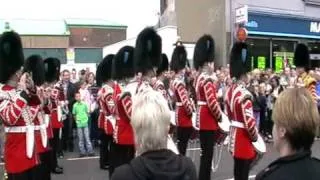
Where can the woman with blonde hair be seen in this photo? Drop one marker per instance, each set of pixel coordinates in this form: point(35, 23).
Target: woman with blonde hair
point(150, 121)
point(295, 119)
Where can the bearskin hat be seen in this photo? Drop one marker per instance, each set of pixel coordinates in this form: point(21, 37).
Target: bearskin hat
point(35, 66)
point(147, 54)
point(239, 60)
point(164, 65)
point(178, 59)
point(123, 63)
point(104, 69)
point(11, 55)
point(301, 56)
point(52, 69)
point(203, 51)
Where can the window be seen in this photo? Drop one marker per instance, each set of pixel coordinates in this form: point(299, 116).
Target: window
point(260, 53)
point(314, 48)
point(282, 54)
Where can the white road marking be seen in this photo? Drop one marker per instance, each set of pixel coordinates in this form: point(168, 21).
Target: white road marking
point(193, 149)
point(83, 158)
point(250, 177)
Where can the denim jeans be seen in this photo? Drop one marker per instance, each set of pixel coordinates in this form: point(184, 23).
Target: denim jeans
point(85, 145)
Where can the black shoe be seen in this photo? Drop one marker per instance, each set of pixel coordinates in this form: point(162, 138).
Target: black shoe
point(105, 167)
point(82, 155)
point(57, 171)
point(91, 154)
point(59, 167)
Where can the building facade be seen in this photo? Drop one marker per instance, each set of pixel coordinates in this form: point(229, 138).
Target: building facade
point(274, 27)
point(72, 40)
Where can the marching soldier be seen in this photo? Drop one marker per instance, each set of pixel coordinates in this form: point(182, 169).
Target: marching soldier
point(52, 73)
point(122, 72)
point(158, 84)
point(302, 61)
point(209, 112)
point(243, 130)
point(147, 56)
point(16, 111)
point(184, 106)
point(35, 67)
point(105, 99)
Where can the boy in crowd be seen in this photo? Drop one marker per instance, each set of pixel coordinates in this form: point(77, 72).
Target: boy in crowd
point(80, 111)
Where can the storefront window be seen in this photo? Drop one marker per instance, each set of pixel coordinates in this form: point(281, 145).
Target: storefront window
point(282, 54)
point(260, 53)
point(314, 53)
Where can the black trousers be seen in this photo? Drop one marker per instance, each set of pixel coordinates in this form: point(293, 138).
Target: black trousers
point(67, 134)
point(55, 145)
point(44, 169)
point(269, 125)
point(94, 131)
point(241, 169)
point(122, 154)
point(112, 158)
point(30, 174)
point(207, 143)
point(183, 136)
point(104, 148)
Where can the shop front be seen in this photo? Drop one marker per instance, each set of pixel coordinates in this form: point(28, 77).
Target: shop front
point(273, 38)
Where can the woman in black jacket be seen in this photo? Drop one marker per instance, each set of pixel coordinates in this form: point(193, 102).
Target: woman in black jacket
point(150, 120)
point(295, 119)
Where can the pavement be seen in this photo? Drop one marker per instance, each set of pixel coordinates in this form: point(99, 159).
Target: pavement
point(88, 169)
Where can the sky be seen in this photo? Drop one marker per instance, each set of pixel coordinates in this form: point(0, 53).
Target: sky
point(136, 14)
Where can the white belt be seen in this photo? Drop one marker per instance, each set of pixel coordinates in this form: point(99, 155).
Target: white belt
point(237, 124)
point(16, 129)
point(101, 111)
point(38, 127)
point(179, 104)
point(201, 103)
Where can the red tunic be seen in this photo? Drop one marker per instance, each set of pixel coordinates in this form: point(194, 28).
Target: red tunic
point(159, 86)
point(105, 98)
point(123, 133)
point(184, 106)
point(243, 125)
point(15, 150)
point(57, 96)
point(208, 107)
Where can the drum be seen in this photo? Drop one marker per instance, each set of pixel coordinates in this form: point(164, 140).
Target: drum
point(224, 129)
point(171, 145)
point(173, 118)
point(194, 121)
point(260, 147)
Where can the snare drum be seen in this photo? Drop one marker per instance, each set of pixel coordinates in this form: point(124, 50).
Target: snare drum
point(224, 129)
point(260, 147)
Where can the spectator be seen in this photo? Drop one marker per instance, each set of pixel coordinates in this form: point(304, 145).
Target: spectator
point(90, 79)
point(256, 104)
point(82, 77)
point(150, 123)
point(80, 111)
point(69, 93)
point(296, 118)
point(74, 76)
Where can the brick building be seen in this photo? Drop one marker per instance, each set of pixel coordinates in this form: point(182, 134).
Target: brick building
point(85, 38)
